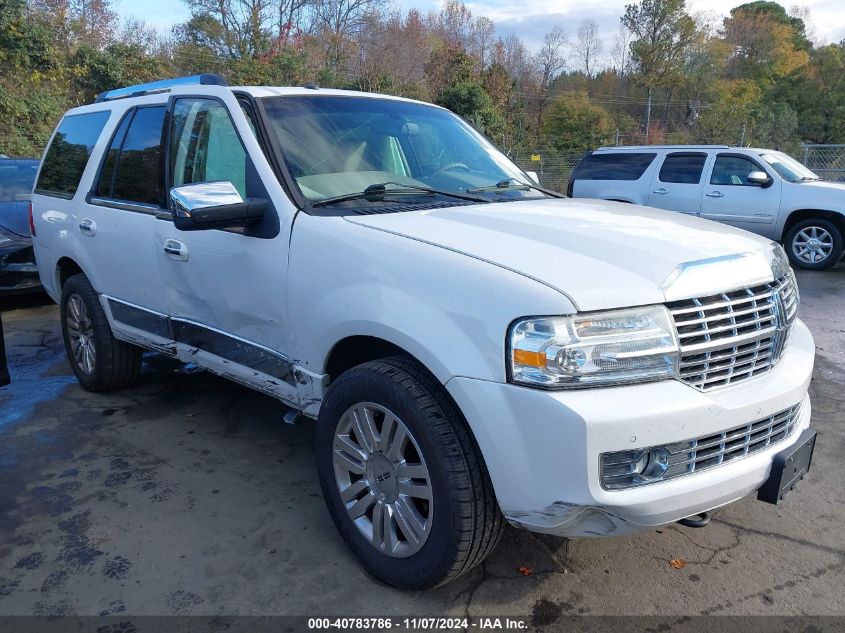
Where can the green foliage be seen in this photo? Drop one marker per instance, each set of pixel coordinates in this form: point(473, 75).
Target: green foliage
point(469, 100)
point(573, 124)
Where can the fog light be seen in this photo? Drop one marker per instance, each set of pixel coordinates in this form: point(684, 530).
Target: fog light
point(626, 469)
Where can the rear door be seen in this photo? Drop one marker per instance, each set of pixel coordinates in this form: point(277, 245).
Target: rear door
point(677, 183)
point(117, 220)
point(730, 198)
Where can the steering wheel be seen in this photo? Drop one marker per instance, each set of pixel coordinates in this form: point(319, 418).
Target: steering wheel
point(452, 166)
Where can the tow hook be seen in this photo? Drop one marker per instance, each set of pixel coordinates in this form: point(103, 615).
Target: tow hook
point(699, 520)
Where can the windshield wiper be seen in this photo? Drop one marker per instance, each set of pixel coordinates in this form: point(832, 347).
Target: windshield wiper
point(808, 179)
point(376, 192)
point(513, 184)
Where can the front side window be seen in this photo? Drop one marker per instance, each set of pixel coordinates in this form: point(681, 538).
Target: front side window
point(733, 170)
point(204, 145)
point(336, 146)
point(682, 168)
point(613, 166)
point(132, 166)
point(69, 152)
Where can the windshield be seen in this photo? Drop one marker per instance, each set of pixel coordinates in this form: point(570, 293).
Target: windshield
point(788, 168)
point(339, 145)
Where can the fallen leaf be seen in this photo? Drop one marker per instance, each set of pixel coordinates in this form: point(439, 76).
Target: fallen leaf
point(525, 571)
point(677, 563)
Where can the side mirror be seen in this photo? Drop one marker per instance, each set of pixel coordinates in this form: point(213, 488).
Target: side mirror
point(213, 205)
point(533, 176)
point(760, 178)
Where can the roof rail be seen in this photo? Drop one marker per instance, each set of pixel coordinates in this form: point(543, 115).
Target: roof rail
point(656, 146)
point(160, 86)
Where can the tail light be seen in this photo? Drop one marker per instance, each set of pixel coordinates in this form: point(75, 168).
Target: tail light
point(31, 221)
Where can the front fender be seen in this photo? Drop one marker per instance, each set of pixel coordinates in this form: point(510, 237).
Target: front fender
point(450, 311)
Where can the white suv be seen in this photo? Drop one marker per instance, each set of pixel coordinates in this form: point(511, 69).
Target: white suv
point(473, 348)
point(760, 190)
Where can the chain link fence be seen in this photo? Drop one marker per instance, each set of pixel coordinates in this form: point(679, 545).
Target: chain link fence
point(828, 161)
point(553, 170)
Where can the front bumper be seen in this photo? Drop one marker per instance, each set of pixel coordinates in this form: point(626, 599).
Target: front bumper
point(542, 447)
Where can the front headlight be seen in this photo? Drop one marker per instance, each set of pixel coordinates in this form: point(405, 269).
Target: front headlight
point(600, 348)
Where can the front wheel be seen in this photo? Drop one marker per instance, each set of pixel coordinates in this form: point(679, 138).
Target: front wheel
point(814, 244)
point(402, 476)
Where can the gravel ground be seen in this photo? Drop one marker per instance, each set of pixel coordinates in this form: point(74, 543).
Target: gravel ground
point(187, 494)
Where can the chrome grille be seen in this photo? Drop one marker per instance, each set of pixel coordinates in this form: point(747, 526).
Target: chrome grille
point(620, 470)
point(735, 335)
point(712, 450)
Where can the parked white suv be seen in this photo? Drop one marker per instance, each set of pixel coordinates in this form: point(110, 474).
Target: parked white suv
point(761, 190)
point(473, 349)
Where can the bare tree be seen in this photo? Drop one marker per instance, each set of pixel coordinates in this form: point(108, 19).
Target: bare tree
point(588, 46)
point(550, 60)
point(621, 53)
point(482, 39)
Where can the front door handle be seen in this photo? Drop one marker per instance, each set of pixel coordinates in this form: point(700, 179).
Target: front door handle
point(176, 250)
point(662, 191)
point(715, 194)
point(88, 227)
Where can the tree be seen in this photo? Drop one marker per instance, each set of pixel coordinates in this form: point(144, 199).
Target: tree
point(588, 46)
point(469, 100)
point(765, 42)
point(573, 124)
point(663, 32)
point(550, 59)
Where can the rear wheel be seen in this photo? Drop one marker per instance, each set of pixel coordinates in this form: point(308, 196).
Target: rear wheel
point(402, 476)
point(100, 361)
point(814, 244)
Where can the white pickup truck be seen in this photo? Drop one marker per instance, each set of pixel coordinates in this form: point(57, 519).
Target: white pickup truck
point(474, 349)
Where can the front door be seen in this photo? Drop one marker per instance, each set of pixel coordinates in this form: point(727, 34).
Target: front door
point(225, 287)
point(731, 199)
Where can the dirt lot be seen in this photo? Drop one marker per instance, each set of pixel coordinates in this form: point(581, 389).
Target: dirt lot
point(188, 495)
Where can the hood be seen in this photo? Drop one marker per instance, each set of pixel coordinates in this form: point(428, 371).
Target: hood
point(838, 187)
point(14, 217)
point(600, 254)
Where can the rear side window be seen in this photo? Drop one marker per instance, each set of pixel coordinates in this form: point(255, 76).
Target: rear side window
point(613, 166)
point(132, 167)
point(683, 168)
point(69, 153)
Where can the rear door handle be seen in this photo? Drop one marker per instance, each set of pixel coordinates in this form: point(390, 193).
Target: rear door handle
point(715, 194)
point(87, 226)
point(662, 191)
point(176, 250)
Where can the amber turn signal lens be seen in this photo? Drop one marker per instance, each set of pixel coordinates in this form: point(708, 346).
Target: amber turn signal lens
point(530, 359)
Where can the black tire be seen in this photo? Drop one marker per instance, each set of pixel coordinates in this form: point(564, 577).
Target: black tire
point(835, 254)
point(117, 364)
point(466, 523)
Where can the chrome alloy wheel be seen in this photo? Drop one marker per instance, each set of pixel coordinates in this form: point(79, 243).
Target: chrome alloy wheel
point(80, 330)
point(383, 480)
point(812, 244)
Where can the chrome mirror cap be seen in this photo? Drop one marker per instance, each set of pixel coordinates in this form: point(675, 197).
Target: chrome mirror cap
point(201, 195)
point(759, 178)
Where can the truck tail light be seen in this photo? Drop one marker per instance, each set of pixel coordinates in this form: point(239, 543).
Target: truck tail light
point(31, 221)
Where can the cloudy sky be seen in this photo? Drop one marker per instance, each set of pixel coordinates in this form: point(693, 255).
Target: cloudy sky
point(531, 20)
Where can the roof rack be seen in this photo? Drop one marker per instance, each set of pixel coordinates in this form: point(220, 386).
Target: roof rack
point(640, 147)
point(160, 86)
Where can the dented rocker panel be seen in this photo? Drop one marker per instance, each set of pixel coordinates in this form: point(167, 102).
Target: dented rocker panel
point(222, 353)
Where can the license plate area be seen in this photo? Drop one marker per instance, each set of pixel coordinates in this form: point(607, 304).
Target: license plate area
point(788, 468)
